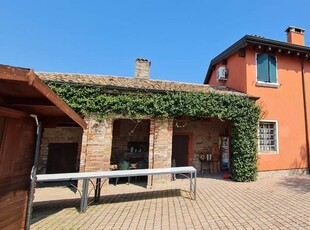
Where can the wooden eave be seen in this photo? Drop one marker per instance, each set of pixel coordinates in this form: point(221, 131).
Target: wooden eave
point(27, 78)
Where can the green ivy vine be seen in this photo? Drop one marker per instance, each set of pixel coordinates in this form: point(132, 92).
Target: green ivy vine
point(240, 110)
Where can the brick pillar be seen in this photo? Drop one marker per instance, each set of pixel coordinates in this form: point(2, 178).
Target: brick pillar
point(160, 150)
point(96, 145)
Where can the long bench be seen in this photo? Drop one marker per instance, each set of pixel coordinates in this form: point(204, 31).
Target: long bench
point(86, 176)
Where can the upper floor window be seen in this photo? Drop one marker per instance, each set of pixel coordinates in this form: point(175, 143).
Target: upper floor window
point(266, 68)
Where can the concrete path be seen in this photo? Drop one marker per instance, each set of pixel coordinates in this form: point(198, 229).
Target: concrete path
point(269, 203)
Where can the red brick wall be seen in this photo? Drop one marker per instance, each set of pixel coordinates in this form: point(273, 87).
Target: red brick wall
point(126, 131)
point(96, 145)
point(160, 150)
point(205, 133)
point(58, 135)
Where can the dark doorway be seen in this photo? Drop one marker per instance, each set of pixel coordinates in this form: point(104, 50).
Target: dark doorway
point(62, 158)
point(180, 150)
point(130, 147)
point(130, 141)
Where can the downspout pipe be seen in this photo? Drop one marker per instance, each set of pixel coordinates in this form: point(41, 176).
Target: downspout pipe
point(305, 111)
point(33, 174)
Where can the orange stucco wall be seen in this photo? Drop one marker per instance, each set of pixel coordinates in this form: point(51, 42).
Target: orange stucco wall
point(236, 71)
point(283, 104)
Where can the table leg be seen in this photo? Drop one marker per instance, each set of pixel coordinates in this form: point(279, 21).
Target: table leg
point(191, 182)
point(97, 190)
point(195, 181)
point(84, 198)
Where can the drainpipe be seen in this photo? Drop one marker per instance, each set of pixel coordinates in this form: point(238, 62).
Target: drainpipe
point(305, 111)
point(33, 174)
point(153, 151)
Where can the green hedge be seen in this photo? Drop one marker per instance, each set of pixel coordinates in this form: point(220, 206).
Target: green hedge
point(240, 110)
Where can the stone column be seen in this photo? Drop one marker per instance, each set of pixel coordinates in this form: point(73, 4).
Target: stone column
point(160, 150)
point(96, 145)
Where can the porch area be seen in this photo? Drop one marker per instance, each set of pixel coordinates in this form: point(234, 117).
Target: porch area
point(158, 143)
point(121, 143)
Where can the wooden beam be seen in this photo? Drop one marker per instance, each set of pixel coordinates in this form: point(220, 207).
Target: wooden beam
point(13, 73)
point(37, 83)
point(13, 113)
point(28, 75)
point(64, 119)
point(257, 47)
point(28, 101)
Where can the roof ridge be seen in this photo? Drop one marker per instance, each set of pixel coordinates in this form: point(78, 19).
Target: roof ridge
point(79, 74)
point(132, 83)
point(126, 77)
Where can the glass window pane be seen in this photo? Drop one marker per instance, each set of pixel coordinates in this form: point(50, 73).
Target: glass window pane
point(262, 67)
point(267, 138)
point(272, 69)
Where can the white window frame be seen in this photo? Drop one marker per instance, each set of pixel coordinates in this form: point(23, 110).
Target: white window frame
point(276, 141)
point(267, 84)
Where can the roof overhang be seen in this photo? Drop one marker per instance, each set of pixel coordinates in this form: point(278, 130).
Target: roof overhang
point(262, 44)
point(23, 93)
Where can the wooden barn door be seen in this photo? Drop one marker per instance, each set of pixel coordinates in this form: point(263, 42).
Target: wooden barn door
point(180, 144)
point(17, 144)
point(62, 158)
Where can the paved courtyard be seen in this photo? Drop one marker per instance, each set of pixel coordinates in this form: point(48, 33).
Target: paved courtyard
point(269, 203)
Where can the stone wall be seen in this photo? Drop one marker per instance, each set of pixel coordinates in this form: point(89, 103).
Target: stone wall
point(279, 173)
point(205, 133)
point(130, 140)
point(96, 145)
point(160, 150)
point(95, 142)
point(58, 135)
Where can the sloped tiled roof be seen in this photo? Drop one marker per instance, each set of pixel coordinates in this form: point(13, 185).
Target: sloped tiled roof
point(131, 83)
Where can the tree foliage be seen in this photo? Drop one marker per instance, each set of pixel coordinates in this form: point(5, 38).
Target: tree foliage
point(240, 110)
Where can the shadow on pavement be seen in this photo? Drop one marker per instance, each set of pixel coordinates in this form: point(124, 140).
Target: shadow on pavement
point(298, 183)
point(118, 198)
point(43, 209)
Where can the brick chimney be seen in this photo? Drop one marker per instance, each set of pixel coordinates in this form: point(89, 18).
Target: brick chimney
point(295, 35)
point(142, 68)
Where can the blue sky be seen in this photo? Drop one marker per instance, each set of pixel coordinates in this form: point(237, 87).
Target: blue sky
point(105, 37)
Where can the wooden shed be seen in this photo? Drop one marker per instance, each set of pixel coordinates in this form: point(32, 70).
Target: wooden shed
point(26, 104)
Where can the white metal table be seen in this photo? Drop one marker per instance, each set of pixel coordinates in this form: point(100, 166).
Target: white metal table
point(86, 176)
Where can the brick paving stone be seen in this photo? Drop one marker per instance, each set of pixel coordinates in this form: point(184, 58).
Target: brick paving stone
point(269, 203)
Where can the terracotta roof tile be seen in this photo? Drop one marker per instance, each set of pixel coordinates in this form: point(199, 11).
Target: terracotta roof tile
point(133, 83)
